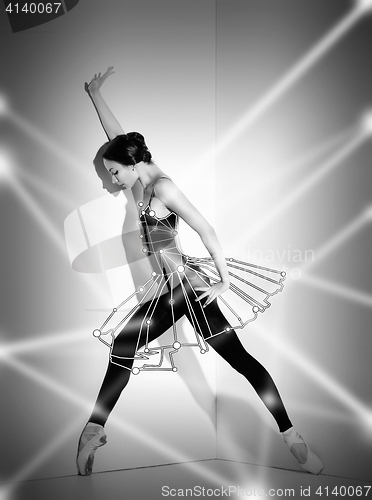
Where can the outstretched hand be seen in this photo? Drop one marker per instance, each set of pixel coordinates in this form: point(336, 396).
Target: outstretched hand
point(97, 80)
point(211, 291)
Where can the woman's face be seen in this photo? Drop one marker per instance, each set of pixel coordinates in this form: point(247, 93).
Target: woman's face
point(122, 175)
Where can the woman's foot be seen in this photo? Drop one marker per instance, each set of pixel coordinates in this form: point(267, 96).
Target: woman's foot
point(92, 437)
point(305, 457)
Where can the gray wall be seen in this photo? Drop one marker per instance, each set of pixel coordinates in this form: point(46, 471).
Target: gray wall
point(186, 73)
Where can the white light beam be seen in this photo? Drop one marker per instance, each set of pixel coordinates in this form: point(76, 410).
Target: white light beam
point(364, 5)
point(6, 165)
point(305, 186)
point(56, 237)
point(43, 342)
point(51, 145)
point(338, 289)
point(297, 163)
point(47, 189)
point(298, 70)
point(126, 428)
point(4, 105)
point(30, 204)
point(338, 239)
point(295, 357)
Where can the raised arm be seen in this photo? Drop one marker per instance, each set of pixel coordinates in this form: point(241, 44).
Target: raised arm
point(110, 124)
point(175, 200)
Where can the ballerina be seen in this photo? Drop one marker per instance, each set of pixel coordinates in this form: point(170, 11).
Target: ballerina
point(180, 286)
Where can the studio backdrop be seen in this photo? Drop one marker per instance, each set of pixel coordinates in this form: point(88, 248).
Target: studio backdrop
point(259, 111)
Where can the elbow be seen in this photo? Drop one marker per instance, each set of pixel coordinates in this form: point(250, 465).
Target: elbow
point(208, 233)
point(211, 231)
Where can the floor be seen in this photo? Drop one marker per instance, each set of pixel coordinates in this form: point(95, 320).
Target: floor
point(201, 479)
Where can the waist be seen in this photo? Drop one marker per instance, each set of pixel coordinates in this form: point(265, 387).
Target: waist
point(167, 261)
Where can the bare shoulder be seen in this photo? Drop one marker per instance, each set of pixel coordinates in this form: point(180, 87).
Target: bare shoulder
point(171, 196)
point(165, 188)
point(163, 195)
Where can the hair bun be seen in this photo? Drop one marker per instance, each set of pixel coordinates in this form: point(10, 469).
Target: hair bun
point(146, 157)
point(136, 136)
point(128, 149)
point(138, 140)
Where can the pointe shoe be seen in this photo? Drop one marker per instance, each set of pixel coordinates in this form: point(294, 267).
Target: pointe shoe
point(92, 437)
point(306, 458)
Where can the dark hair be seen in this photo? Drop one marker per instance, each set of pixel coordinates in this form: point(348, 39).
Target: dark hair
point(128, 149)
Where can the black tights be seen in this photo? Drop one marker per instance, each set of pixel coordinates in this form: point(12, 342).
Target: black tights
point(209, 320)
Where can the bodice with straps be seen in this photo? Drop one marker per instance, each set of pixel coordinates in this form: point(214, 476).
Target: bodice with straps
point(160, 242)
point(159, 237)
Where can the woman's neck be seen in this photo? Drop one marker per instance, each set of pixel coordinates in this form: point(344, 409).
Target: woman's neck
point(148, 173)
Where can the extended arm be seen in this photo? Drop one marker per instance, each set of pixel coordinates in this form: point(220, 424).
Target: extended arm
point(110, 124)
point(175, 200)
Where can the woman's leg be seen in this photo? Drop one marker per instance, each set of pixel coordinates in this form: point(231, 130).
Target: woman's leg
point(129, 340)
point(230, 348)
